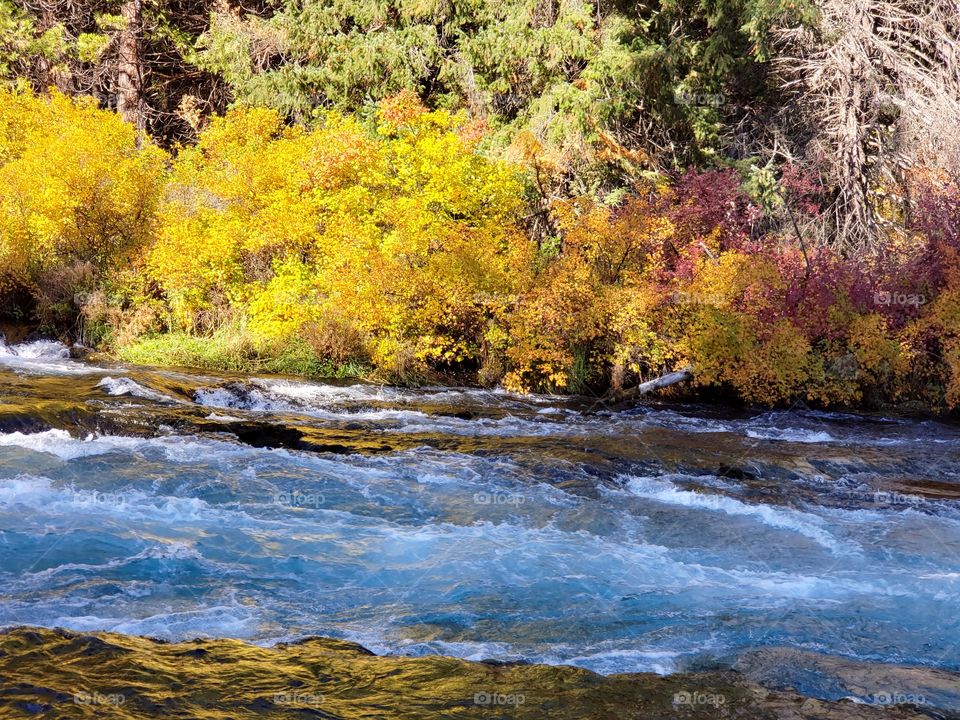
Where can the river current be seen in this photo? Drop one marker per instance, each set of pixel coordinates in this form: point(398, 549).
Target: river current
point(473, 523)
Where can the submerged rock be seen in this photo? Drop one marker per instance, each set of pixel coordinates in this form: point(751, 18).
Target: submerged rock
point(78, 351)
point(60, 674)
point(837, 677)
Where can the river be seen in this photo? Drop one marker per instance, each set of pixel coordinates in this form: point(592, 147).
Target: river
point(473, 523)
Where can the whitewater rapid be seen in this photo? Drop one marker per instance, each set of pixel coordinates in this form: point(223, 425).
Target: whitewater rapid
point(474, 523)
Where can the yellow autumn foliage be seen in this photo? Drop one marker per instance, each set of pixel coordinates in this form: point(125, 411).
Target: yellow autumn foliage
point(591, 307)
point(78, 189)
point(403, 233)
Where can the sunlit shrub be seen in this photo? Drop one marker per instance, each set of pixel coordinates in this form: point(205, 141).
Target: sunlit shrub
point(78, 196)
point(589, 304)
point(404, 234)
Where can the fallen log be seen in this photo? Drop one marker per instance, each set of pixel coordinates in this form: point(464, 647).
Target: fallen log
point(659, 383)
point(645, 388)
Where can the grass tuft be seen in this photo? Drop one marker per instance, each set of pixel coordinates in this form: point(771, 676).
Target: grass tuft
point(232, 349)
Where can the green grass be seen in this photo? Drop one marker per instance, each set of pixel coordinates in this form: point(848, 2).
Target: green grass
point(232, 350)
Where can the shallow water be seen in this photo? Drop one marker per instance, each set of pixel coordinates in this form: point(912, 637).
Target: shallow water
point(472, 523)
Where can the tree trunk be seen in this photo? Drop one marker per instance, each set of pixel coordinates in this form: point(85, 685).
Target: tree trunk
point(130, 102)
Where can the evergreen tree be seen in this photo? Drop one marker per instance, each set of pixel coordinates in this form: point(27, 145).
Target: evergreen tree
point(132, 55)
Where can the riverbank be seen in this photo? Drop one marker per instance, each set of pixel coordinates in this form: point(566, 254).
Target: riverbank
point(412, 252)
point(61, 674)
point(232, 357)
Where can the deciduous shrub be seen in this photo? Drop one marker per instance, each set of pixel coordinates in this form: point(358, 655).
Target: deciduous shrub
point(402, 233)
point(79, 196)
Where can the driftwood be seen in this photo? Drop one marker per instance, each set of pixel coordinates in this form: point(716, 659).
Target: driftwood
point(624, 396)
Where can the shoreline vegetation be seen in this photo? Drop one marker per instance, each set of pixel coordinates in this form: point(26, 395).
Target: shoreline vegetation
point(571, 199)
point(395, 249)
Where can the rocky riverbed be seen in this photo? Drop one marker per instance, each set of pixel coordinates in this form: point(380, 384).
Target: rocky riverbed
point(61, 674)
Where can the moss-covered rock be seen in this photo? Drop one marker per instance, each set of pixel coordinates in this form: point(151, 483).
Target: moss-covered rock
point(59, 674)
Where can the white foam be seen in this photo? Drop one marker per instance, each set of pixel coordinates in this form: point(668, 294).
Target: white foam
point(165, 551)
point(175, 448)
point(508, 426)
point(41, 350)
point(493, 396)
point(951, 576)
point(223, 418)
point(56, 442)
point(287, 396)
point(805, 524)
point(45, 357)
point(403, 420)
point(238, 621)
point(361, 392)
point(327, 394)
point(677, 421)
point(797, 435)
point(49, 499)
point(126, 386)
point(26, 490)
point(42, 494)
point(661, 662)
